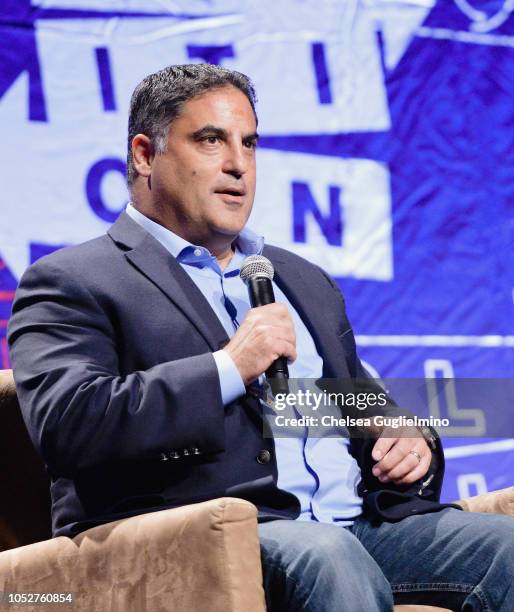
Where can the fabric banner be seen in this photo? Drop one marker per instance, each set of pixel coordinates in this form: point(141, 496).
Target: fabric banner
point(386, 157)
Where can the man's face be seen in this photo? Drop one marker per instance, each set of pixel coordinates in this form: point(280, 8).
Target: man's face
point(204, 185)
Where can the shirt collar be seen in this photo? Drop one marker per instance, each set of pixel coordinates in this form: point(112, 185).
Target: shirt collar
point(247, 243)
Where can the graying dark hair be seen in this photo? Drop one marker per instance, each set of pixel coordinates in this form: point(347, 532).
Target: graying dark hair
point(159, 98)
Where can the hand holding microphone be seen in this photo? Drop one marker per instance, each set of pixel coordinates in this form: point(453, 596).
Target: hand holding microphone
point(266, 339)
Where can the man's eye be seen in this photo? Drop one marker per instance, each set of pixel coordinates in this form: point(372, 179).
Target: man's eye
point(250, 144)
point(211, 139)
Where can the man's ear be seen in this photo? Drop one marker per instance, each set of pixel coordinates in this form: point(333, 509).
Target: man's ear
point(142, 154)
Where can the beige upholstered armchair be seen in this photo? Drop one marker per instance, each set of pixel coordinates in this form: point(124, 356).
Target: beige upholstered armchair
point(200, 557)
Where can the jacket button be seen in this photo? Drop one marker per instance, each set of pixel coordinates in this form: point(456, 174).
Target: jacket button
point(263, 456)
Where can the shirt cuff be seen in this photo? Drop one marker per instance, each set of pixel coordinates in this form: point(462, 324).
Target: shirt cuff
point(231, 383)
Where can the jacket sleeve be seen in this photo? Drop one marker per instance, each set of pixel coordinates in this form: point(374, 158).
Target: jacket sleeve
point(429, 486)
point(79, 410)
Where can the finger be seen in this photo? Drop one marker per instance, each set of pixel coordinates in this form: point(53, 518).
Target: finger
point(280, 316)
point(270, 332)
point(281, 309)
point(418, 472)
point(279, 334)
point(409, 463)
point(381, 447)
point(283, 348)
point(396, 454)
point(258, 321)
point(276, 309)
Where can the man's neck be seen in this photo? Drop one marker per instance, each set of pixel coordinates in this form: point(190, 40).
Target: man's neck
point(224, 258)
point(223, 252)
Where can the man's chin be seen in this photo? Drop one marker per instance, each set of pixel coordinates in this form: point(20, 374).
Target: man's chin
point(231, 226)
point(231, 232)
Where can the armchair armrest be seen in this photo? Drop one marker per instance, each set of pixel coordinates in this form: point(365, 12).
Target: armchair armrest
point(201, 556)
point(497, 502)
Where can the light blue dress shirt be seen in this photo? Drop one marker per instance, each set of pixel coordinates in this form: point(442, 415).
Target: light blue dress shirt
point(320, 471)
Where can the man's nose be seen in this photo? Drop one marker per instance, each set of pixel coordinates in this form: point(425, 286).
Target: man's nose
point(236, 161)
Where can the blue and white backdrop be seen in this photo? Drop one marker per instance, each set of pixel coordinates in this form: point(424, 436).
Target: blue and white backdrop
point(387, 157)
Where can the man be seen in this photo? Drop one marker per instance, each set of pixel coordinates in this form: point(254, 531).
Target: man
point(136, 357)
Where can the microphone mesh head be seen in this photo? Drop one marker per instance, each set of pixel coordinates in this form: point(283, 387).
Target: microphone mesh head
point(256, 266)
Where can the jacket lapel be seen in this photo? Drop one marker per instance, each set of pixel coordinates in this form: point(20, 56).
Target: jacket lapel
point(307, 301)
point(148, 256)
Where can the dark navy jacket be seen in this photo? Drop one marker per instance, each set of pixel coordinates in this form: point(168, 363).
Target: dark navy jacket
point(111, 344)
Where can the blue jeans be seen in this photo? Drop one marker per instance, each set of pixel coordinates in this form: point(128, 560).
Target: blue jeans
point(454, 559)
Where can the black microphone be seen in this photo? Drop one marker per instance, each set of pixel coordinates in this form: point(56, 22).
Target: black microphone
point(257, 273)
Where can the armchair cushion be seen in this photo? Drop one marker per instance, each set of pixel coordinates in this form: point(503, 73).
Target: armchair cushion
point(202, 556)
point(497, 502)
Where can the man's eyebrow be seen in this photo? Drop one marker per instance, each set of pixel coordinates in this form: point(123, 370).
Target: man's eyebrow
point(209, 130)
point(212, 130)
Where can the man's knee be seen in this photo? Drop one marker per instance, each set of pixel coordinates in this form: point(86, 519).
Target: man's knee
point(307, 559)
point(496, 533)
point(309, 544)
point(493, 534)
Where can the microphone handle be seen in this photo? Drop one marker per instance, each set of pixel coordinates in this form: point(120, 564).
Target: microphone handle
point(261, 293)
